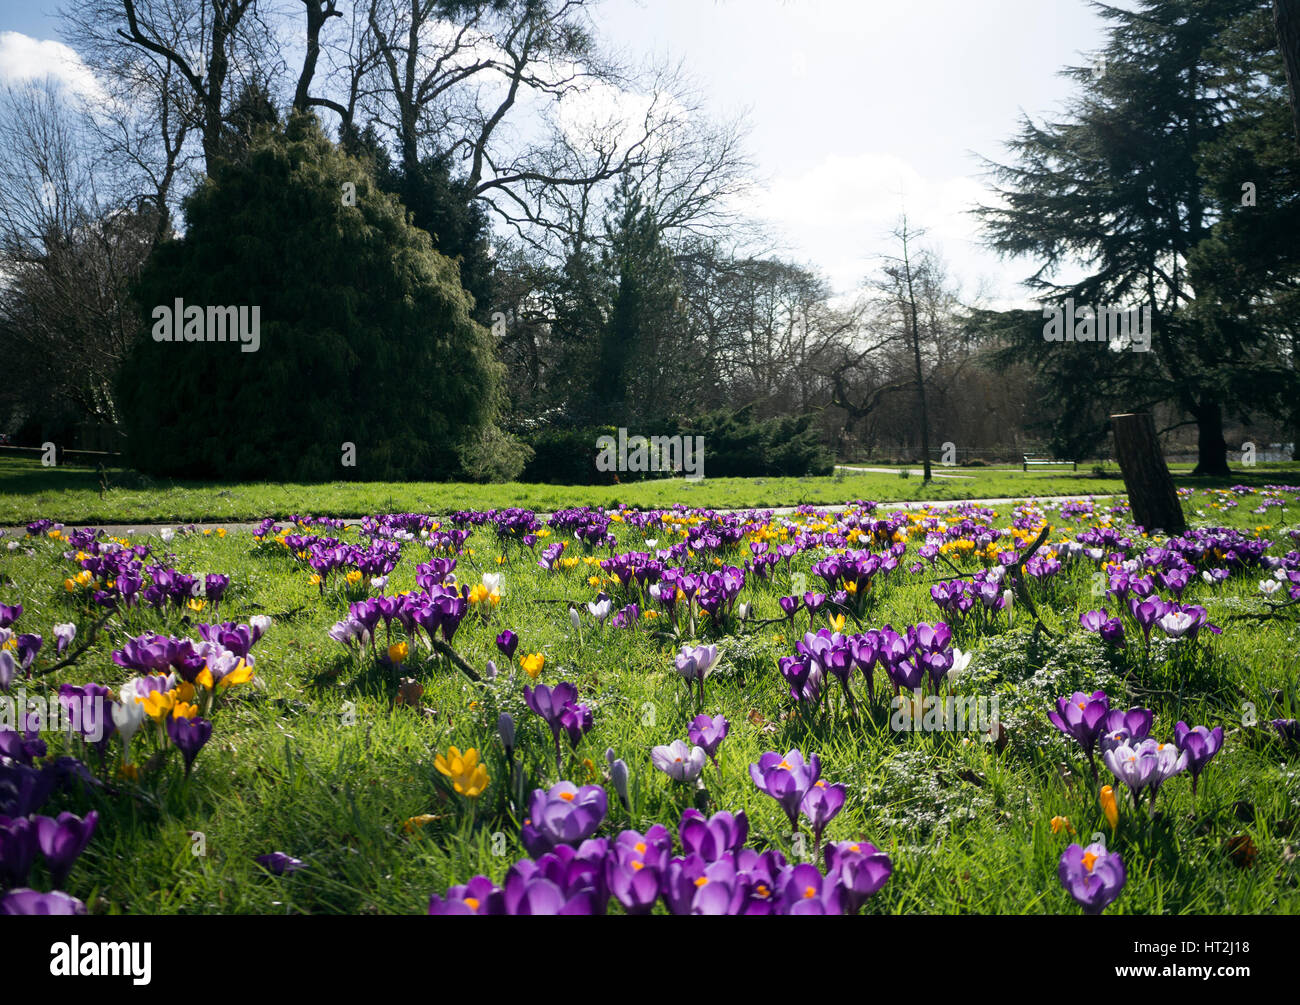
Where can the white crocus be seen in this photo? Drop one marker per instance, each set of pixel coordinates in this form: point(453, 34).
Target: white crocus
point(960, 661)
point(128, 715)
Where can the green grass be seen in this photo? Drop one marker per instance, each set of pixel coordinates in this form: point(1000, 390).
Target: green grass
point(72, 495)
point(967, 826)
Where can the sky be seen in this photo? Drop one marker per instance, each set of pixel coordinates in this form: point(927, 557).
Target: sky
point(857, 110)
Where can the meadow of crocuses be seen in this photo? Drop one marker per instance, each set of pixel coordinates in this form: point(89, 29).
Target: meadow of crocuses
point(1031, 708)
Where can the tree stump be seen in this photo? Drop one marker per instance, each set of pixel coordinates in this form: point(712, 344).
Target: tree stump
point(1150, 487)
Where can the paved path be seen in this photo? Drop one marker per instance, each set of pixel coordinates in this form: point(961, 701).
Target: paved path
point(152, 529)
point(918, 472)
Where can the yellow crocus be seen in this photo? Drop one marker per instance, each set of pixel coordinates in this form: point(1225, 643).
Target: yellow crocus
point(415, 823)
point(1108, 806)
point(398, 652)
point(157, 704)
point(467, 775)
point(532, 664)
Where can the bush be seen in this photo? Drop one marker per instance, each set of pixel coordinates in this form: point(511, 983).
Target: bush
point(736, 445)
point(365, 335)
point(568, 457)
point(493, 455)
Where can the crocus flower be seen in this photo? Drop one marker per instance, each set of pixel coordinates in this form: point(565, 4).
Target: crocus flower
point(278, 863)
point(1093, 876)
point(128, 715)
point(62, 839)
point(1199, 744)
point(563, 814)
point(803, 890)
point(18, 847)
point(468, 777)
point(1120, 726)
point(559, 708)
point(508, 642)
point(31, 902)
point(506, 730)
point(189, 735)
point(479, 896)
point(1081, 716)
point(618, 778)
point(8, 669)
point(532, 664)
point(1145, 766)
point(1108, 807)
point(678, 761)
point(786, 779)
point(820, 806)
point(860, 869)
point(600, 607)
point(63, 635)
point(708, 732)
point(712, 837)
point(695, 663)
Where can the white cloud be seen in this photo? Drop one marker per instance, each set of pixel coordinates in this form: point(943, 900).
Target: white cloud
point(841, 210)
point(23, 58)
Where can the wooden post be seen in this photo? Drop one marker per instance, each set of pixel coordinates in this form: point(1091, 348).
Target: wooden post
point(1150, 487)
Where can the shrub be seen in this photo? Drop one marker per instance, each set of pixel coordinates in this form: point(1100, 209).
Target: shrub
point(365, 334)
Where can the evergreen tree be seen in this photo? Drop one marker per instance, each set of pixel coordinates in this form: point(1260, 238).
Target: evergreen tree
point(1119, 184)
point(365, 335)
point(642, 314)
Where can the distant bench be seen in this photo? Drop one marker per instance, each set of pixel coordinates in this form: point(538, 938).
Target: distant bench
point(1038, 461)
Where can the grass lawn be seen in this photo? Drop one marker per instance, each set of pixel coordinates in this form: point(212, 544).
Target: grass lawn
point(71, 495)
point(315, 759)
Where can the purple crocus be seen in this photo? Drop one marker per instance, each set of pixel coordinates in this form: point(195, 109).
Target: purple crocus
point(279, 864)
point(1082, 716)
point(786, 779)
point(508, 642)
point(8, 669)
point(1093, 876)
point(28, 646)
point(62, 839)
point(635, 867)
point(563, 815)
point(712, 837)
point(821, 805)
point(1199, 744)
point(804, 890)
point(479, 896)
point(860, 869)
point(32, 902)
point(1125, 727)
point(18, 847)
point(189, 735)
point(708, 732)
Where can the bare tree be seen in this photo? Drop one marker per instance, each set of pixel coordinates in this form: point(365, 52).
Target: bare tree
point(67, 258)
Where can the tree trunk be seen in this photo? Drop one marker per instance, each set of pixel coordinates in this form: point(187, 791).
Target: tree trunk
point(1286, 20)
point(1211, 448)
point(1150, 487)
